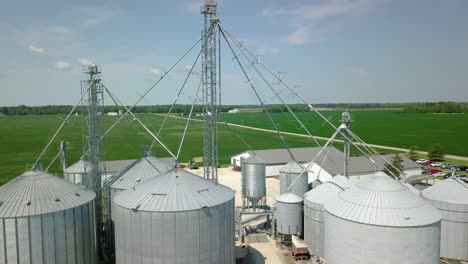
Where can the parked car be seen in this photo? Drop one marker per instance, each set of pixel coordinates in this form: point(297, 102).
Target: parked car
point(421, 161)
point(431, 171)
point(462, 168)
point(428, 162)
point(413, 159)
point(436, 164)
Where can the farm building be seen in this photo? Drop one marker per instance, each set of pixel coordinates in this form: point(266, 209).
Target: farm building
point(325, 167)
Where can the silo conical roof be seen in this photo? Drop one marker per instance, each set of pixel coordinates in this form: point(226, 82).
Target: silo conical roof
point(141, 170)
point(382, 201)
point(175, 190)
point(79, 167)
point(292, 167)
point(253, 159)
point(452, 191)
point(38, 192)
point(289, 197)
point(327, 190)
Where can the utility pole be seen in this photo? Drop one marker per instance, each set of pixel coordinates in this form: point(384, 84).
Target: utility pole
point(211, 109)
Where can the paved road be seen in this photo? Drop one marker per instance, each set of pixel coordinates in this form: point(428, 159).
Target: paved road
point(455, 157)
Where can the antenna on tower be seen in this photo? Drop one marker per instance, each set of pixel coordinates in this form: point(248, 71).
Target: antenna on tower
point(210, 91)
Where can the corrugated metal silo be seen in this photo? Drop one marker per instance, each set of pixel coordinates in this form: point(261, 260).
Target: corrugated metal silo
point(253, 179)
point(288, 174)
point(379, 220)
point(78, 172)
point(177, 217)
point(45, 219)
point(314, 212)
point(451, 198)
point(139, 171)
point(289, 214)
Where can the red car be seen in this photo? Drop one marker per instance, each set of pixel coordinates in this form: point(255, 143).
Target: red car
point(429, 162)
point(432, 171)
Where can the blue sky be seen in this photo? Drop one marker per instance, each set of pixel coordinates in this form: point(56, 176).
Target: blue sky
point(334, 51)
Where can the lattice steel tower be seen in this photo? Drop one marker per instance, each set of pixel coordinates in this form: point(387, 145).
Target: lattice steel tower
point(346, 124)
point(93, 112)
point(210, 95)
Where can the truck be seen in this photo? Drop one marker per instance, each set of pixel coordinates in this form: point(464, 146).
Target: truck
point(299, 248)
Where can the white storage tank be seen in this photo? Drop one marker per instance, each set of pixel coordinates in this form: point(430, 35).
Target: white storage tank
point(290, 173)
point(78, 172)
point(289, 214)
point(379, 220)
point(177, 217)
point(451, 198)
point(44, 219)
point(253, 179)
point(314, 213)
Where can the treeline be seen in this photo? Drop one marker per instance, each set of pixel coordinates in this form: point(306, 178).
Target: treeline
point(439, 107)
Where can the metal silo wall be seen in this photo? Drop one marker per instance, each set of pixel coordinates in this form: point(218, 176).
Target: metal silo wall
point(353, 243)
point(299, 188)
point(314, 233)
point(198, 236)
point(75, 178)
point(289, 218)
point(253, 180)
point(59, 237)
point(454, 229)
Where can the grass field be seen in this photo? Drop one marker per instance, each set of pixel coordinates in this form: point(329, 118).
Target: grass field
point(388, 128)
point(22, 138)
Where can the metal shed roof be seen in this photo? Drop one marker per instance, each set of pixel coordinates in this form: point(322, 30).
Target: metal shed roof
point(139, 171)
point(451, 190)
point(38, 192)
point(282, 156)
point(292, 167)
point(382, 201)
point(175, 190)
point(289, 197)
point(327, 190)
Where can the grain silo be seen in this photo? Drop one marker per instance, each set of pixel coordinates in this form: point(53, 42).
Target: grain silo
point(451, 198)
point(291, 173)
point(45, 219)
point(314, 213)
point(289, 214)
point(139, 171)
point(379, 220)
point(177, 217)
point(253, 180)
point(78, 172)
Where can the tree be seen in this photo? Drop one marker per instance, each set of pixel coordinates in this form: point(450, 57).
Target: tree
point(395, 170)
point(436, 152)
point(412, 153)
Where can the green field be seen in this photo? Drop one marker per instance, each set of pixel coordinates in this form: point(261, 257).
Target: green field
point(22, 138)
point(388, 128)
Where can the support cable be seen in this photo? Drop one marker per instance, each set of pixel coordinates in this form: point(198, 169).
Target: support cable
point(61, 126)
point(138, 120)
point(258, 97)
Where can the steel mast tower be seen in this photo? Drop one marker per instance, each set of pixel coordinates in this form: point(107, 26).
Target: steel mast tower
point(210, 113)
point(346, 122)
point(93, 112)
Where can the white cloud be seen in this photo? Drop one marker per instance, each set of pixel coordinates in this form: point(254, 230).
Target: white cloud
point(299, 36)
point(37, 50)
point(62, 66)
point(187, 67)
point(156, 71)
point(85, 62)
point(60, 30)
point(193, 6)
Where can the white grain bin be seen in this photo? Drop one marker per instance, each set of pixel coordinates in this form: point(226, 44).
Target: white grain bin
point(314, 213)
point(253, 179)
point(46, 220)
point(379, 220)
point(78, 172)
point(451, 198)
point(139, 171)
point(177, 217)
point(289, 174)
point(289, 214)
